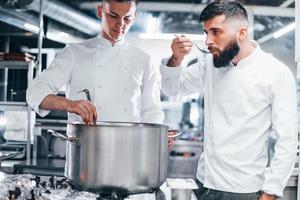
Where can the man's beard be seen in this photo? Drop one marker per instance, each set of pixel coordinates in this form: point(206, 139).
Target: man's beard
point(226, 56)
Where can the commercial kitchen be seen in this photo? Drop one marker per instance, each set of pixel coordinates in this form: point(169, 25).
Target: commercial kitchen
point(126, 161)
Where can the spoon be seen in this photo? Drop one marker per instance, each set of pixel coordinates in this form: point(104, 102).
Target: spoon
point(200, 49)
point(197, 46)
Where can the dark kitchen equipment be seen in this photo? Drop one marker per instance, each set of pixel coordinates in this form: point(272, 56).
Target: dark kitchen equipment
point(183, 159)
point(9, 152)
point(116, 157)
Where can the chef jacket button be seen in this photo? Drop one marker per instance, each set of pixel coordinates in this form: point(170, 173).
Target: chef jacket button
point(99, 66)
point(125, 88)
point(125, 68)
point(125, 110)
point(99, 86)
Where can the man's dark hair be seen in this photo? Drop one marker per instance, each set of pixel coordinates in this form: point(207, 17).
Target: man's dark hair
point(136, 1)
point(231, 9)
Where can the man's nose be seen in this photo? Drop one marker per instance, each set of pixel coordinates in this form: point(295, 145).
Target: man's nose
point(120, 22)
point(208, 40)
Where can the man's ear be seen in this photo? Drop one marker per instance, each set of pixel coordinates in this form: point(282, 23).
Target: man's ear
point(99, 10)
point(243, 33)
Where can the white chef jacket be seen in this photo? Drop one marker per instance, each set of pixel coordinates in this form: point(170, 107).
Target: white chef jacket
point(123, 84)
point(242, 105)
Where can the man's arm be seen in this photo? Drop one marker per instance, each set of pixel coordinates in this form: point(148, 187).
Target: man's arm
point(284, 123)
point(50, 80)
point(84, 108)
point(41, 92)
point(177, 80)
point(181, 46)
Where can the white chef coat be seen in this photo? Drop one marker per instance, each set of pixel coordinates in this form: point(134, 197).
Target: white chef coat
point(123, 84)
point(243, 104)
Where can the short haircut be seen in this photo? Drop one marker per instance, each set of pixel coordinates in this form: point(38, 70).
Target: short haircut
point(136, 1)
point(231, 9)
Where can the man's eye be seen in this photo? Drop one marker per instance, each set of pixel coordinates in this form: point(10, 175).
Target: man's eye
point(215, 32)
point(127, 18)
point(112, 16)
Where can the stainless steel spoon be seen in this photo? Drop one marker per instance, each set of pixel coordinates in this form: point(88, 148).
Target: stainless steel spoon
point(200, 49)
point(197, 46)
point(88, 96)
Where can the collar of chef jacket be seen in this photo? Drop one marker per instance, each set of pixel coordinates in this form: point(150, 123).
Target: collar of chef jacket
point(103, 42)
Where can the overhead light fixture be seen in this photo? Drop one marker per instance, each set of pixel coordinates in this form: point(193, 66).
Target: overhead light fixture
point(284, 30)
point(31, 28)
point(63, 37)
point(278, 33)
point(170, 36)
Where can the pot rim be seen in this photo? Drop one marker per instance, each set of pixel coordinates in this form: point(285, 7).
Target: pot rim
point(118, 124)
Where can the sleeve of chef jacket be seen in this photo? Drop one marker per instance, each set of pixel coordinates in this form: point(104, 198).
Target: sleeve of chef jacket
point(151, 111)
point(284, 123)
point(180, 81)
point(50, 80)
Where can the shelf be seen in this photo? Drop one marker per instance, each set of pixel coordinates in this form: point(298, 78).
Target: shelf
point(14, 106)
point(21, 106)
point(15, 64)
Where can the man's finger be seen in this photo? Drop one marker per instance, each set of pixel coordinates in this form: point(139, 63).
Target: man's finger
point(95, 114)
point(84, 112)
point(89, 110)
point(170, 143)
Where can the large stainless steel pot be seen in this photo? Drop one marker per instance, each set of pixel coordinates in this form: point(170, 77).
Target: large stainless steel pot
point(117, 157)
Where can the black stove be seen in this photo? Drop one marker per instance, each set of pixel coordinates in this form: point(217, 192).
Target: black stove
point(32, 187)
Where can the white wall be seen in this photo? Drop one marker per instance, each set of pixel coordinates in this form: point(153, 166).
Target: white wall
point(158, 49)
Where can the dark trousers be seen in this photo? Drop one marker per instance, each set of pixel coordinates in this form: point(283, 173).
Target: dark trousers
point(204, 193)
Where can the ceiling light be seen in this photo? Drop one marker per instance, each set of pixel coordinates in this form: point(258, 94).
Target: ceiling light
point(31, 28)
point(284, 30)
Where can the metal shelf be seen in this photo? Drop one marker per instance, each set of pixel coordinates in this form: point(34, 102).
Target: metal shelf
point(7, 105)
point(15, 64)
point(29, 66)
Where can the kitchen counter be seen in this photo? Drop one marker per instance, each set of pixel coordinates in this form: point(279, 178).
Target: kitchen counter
point(46, 166)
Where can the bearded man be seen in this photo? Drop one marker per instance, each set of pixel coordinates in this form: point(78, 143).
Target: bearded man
point(247, 94)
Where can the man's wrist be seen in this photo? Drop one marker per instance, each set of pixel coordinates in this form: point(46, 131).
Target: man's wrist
point(174, 62)
point(67, 105)
point(270, 195)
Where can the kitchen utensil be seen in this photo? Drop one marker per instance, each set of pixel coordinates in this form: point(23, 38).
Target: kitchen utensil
point(88, 96)
point(205, 51)
point(118, 157)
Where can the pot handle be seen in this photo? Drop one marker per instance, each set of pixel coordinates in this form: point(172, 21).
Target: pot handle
point(172, 135)
point(62, 136)
point(11, 155)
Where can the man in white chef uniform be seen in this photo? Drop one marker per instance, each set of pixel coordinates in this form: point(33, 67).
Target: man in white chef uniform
point(123, 84)
point(247, 94)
